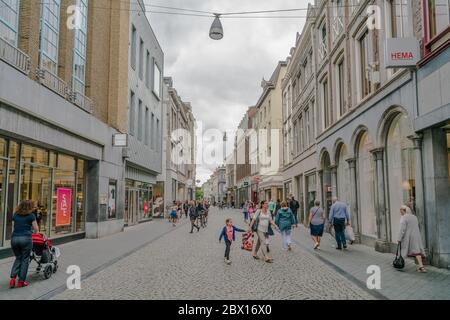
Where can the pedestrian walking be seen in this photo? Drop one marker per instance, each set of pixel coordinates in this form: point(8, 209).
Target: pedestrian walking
point(24, 224)
point(294, 205)
point(272, 208)
point(193, 216)
point(278, 206)
point(205, 213)
point(229, 235)
point(409, 238)
point(245, 211)
point(261, 224)
point(186, 208)
point(316, 223)
point(250, 212)
point(285, 221)
point(200, 214)
point(173, 214)
point(339, 218)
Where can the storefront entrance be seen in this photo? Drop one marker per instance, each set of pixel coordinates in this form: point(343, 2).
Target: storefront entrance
point(138, 202)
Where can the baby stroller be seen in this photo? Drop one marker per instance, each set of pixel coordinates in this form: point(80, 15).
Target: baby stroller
point(247, 241)
point(45, 255)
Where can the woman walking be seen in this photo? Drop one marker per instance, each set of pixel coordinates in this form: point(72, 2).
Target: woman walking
point(316, 223)
point(261, 224)
point(193, 216)
point(285, 221)
point(409, 238)
point(24, 223)
point(229, 235)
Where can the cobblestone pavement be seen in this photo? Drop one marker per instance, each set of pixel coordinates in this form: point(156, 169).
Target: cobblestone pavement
point(180, 265)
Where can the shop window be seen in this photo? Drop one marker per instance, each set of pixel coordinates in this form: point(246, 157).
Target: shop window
point(35, 184)
point(366, 191)
point(32, 154)
point(2, 147)
point(66, 163)
point(401, 169)
point(12, 180)
point(311, 193)
point(343, 176)
point(2, 196)
point(112, 200)
point(80, 217)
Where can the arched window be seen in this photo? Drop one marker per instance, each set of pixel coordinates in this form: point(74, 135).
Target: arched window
point(366, 184)
point(401, 169)
point(343, 176)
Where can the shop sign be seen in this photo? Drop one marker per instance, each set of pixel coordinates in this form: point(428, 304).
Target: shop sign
point(402, 52)
point(120, 140)
point(63, 206)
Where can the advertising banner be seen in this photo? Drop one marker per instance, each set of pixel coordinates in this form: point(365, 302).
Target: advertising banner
point(63, 206)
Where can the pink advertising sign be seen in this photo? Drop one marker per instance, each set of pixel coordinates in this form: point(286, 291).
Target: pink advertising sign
point(63, 206)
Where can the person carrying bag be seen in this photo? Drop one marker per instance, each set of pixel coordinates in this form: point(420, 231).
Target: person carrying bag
point(399, 262)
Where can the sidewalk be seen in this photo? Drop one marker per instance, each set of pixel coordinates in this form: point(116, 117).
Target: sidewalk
point(90, 255)
point(395, 285)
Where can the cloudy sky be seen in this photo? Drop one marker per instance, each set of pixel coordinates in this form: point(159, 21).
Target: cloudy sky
point(222, 78)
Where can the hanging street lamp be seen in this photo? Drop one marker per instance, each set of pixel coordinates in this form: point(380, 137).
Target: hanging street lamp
point(216, 31)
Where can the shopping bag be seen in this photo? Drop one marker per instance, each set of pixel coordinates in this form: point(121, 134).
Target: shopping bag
point(349, 234)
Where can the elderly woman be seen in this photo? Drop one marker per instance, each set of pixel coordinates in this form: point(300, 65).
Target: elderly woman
point(409, 237)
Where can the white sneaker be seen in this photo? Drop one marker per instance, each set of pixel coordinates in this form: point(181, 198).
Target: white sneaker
point(316, 245)
point(228, 261)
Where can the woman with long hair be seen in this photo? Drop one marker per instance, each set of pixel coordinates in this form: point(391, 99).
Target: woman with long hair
point(24, 223)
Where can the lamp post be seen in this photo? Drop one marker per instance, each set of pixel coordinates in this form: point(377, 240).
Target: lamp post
point(216, 31)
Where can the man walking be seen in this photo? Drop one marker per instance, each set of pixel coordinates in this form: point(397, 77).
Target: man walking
point(338, 218)
point(294, 205)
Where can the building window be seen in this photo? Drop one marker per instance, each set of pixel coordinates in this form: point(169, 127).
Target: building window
point(302, 135)
point(112, 199)
point(50, 16)
point(158, 135)
point(308, 127)
point(148, 69)
point(368, 64)
point(133, 47)
point(140, 115)
point(79, 49)
point(141, 59)
point(325, 105)
point(400, 18)
point(338, 19)
point(341, 87)
point(156, 80)
point(323, 47)
point(152, 133)
point(132, 119)
point(343, 176)
point(439, 16)
point(147, 124)
point(9, 20)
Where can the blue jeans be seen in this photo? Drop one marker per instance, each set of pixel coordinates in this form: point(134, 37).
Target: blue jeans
point(286, 235)
point(339, 230)
point(21, 247)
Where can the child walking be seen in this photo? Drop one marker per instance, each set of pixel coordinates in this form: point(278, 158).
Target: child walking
point(228, 233)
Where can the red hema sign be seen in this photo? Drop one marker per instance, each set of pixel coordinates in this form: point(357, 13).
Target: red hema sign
point(402, 52)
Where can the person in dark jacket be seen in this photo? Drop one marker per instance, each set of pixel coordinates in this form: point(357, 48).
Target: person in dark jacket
point(294, 206)
point(24, 224)
point(193, 216)
point(229, 234)
point(285, 221)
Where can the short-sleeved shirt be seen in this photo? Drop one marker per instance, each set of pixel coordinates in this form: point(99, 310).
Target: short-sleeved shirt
point(317, 216)
point(264, 220)
point(23, 225)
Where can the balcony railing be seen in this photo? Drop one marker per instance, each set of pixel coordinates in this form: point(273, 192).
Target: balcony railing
point(53, 82)
point(14, 57)
point(82, 101)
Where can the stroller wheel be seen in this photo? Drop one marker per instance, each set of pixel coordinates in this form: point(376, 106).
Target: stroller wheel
point(48, 271)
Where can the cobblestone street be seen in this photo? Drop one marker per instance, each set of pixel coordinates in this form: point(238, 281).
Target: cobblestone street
point(180, 265)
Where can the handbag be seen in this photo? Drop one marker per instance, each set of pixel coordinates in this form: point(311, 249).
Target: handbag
point(399, 262)
point(255, 224)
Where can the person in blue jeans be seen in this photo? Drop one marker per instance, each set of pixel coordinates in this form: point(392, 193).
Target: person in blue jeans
point(229, 235)
point(24, 221)
point(339, 218)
